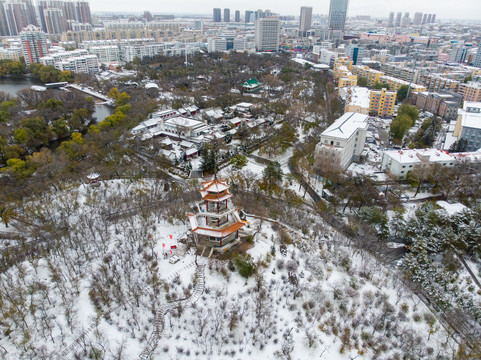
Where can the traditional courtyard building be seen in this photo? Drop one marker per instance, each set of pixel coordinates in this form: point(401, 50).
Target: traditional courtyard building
point(217, 223)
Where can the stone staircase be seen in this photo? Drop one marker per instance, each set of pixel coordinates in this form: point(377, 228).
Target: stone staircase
point(159, 321)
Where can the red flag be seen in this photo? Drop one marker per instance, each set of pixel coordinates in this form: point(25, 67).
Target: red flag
point(170, 237)
point(163, 245)
point(170, 251)
point(173, 246)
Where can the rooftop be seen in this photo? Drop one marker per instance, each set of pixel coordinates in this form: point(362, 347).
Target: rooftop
point(471, 120)
point(347, 125)
point(359, 96)
point(414, 156)
point(183, 121)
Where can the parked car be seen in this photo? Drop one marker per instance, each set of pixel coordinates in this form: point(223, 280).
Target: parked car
point(174, 259)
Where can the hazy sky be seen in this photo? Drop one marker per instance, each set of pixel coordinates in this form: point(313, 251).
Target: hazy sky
point(460, 9)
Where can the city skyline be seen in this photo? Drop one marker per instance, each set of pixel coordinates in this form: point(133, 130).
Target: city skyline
point(465, 9)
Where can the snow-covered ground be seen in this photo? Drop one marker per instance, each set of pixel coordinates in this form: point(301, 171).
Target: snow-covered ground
point(107, 278)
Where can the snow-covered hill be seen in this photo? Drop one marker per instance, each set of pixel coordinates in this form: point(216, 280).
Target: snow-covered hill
point(101, 289)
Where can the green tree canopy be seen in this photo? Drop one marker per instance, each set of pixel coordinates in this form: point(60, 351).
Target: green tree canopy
point(409, 110)
point(399, 126)
point(361, 81)
point(208, 159)
point(272, 175)
point(402, 93)
point(379, 86)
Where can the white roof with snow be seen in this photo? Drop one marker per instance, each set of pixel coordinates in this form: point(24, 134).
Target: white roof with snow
point(150, 122)
point(360, 96)
point(151, 86)
point(186, 144)
point(244, 104)
point(347, 125)
point(183, 121)
point(190, 151)
point(414, 156)
point(451, 209)
point(435, 154)
point(403, 156)
point(471, 120)
point(468, 156)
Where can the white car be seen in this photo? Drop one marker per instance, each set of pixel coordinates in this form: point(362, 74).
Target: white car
point(174, 259)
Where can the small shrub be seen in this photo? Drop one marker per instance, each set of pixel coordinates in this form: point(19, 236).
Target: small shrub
point(245, 265)
point(249, 239)
point(280, 264)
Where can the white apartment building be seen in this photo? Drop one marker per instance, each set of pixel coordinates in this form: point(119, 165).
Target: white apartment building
point(174, 48)
point(81, 64)
point(343, 141)
point(267, 34)
point(216, 44)
point(12, 53)
point(400, 162)
point(106, 53)
point(56, 58)
point(326, 55)
point(140, 51)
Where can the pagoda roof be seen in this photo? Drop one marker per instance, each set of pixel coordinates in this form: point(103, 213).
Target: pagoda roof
point(219, 233)
point(215, 197)
point(215, 185)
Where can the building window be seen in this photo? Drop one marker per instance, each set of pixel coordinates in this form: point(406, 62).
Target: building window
point(337, 143)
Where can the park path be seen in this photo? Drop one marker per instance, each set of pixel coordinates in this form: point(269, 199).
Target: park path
point(159, 322)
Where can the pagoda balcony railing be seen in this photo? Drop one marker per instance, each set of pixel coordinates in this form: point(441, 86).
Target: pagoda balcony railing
point(212, 210)
point(221, 224)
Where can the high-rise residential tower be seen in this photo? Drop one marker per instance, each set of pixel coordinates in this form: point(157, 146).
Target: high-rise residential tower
point(3, 20)
point(237, 16)
point(267, 34)
point(55, 21)
point(337, 14)
point(398, 19)
point(34, 44)
point(226, 15)
point(305, 20)
point(390, 22)
point(477, 59)
point(248, 16)
point(58, 12)
point(418, 18)
point(17, 14)
point(405, 21)
point(217, 15)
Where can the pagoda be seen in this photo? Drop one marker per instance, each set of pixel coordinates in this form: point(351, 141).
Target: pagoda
point(217, 223)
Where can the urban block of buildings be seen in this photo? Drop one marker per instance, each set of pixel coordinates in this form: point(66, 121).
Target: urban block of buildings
point(52, 16)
